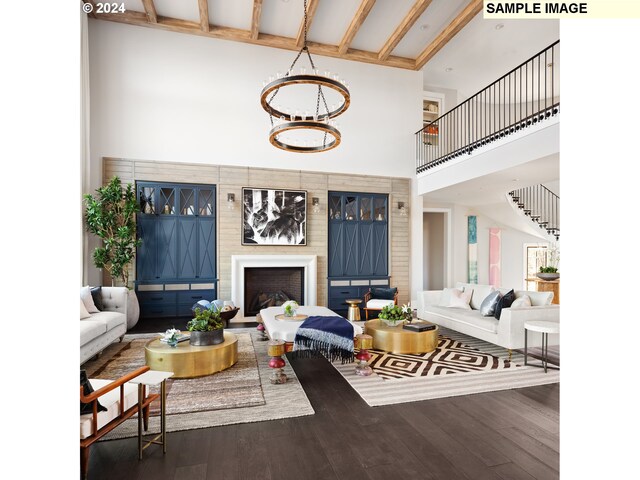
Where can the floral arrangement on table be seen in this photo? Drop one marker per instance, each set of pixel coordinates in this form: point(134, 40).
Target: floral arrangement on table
point(171, 337)
point(393, 314)
point(205, 320)
point(290, 307)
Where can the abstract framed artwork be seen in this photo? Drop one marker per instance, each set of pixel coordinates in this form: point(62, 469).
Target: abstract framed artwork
point(495, 268)
point(274, 216)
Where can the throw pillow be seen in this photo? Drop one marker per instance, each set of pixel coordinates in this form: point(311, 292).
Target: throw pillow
point(488, 306)
point(83, 311)
point(445, 296)
point(96, 295)
point(460, 299)
point(523, 301)
point(85, 296)
point(505, 302)
point(383, 293)
point(88, 389)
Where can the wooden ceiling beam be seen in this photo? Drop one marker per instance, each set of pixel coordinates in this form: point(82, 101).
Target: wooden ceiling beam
point(450, 31)
point(358, 19)
point(150, 9)
point(412, 17)
point(131, 17)
point(312, 5)
point(203, 6)
point(255, 21)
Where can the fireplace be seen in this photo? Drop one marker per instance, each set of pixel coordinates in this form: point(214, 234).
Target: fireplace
point(271, 287)
point(240, 264)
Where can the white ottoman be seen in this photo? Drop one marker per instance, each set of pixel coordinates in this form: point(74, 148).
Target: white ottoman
point(545, 328)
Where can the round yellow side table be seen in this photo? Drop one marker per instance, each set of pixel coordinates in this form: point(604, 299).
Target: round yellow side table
point(353, 314)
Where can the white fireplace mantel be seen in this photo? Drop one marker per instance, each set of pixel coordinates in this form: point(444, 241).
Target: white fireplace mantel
point(240, 262)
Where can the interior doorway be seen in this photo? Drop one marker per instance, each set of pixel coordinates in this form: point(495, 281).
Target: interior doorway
point(435, 250)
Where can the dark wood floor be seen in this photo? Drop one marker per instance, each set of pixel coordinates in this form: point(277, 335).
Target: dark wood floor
point(511, 434)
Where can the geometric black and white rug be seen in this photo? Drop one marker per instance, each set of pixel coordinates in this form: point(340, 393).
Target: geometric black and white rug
point(449, 357)
point(469, 366)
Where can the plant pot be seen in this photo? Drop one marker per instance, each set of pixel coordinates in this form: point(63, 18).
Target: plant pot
point(391, 323)
point(213, 337)
point(133, 310)
point(548, 276)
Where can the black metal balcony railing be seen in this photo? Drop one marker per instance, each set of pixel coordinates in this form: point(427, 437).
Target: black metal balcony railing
point(541, 205)
point(527, 95)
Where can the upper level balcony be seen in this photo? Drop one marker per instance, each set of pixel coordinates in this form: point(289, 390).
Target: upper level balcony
point(518, 103)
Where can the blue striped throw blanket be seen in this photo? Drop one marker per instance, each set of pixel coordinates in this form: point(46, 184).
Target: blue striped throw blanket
point(331, 337)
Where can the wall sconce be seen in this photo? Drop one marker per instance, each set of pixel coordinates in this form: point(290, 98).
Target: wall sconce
point(402, 209)
point(315, 201)
point(231, 201)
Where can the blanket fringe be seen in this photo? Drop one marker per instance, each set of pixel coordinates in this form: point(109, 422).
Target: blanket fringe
point(311, 348)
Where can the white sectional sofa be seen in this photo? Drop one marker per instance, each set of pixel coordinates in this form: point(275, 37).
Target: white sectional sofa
point(508, 332)
point(102, 328)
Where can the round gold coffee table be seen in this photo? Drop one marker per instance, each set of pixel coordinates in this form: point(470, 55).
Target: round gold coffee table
point(397, 340)
point(188, 361)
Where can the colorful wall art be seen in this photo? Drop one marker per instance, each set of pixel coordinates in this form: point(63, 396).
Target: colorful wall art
point(472, 236)
point(494, 257)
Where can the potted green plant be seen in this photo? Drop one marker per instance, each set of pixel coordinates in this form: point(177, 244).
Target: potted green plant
point(206, 327)
point(393, 314)
point(550, 270)
point(111, 215)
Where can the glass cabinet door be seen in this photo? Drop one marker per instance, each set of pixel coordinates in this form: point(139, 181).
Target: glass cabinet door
point(335, 207)
point(351, 208)
point(187, 201)
point(147, 200)
point(167, 201)
point(380, 209)
point(365, 208)
point(206, 206)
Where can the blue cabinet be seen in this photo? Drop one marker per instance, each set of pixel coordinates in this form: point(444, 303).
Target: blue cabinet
point(357, 246)
point(176, 261)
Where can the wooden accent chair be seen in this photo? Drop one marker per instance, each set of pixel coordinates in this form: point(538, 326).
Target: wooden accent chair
point(371, 305)
point(120, 406)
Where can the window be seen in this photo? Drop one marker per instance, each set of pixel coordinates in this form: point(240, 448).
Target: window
point(535, 257)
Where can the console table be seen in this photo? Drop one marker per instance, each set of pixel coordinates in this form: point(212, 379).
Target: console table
point(548, 286)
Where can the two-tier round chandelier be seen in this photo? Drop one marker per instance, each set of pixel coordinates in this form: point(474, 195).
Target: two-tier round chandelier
point(310, 127)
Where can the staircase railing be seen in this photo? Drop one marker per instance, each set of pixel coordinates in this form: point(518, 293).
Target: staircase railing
point(528, 94)
point(541, 205)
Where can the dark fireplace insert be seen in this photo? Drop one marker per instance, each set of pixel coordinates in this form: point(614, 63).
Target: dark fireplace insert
point(271, 287)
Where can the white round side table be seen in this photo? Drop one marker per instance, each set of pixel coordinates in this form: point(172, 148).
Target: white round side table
point(545, 328)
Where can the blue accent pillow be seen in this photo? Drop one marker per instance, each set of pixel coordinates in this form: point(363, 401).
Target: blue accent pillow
point(505, 302)
point(488, 307)
point(383, 293)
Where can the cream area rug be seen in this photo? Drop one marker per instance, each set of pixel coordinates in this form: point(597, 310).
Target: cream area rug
point(461, 365)
point(240, 394)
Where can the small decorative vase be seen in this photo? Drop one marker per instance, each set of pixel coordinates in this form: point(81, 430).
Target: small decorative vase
point(290, 313)
point(172, 343)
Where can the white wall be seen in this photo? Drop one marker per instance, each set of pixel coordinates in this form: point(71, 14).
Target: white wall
point(511, 246)
point(450, 97)
point(166, 96)
point(434, 251)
